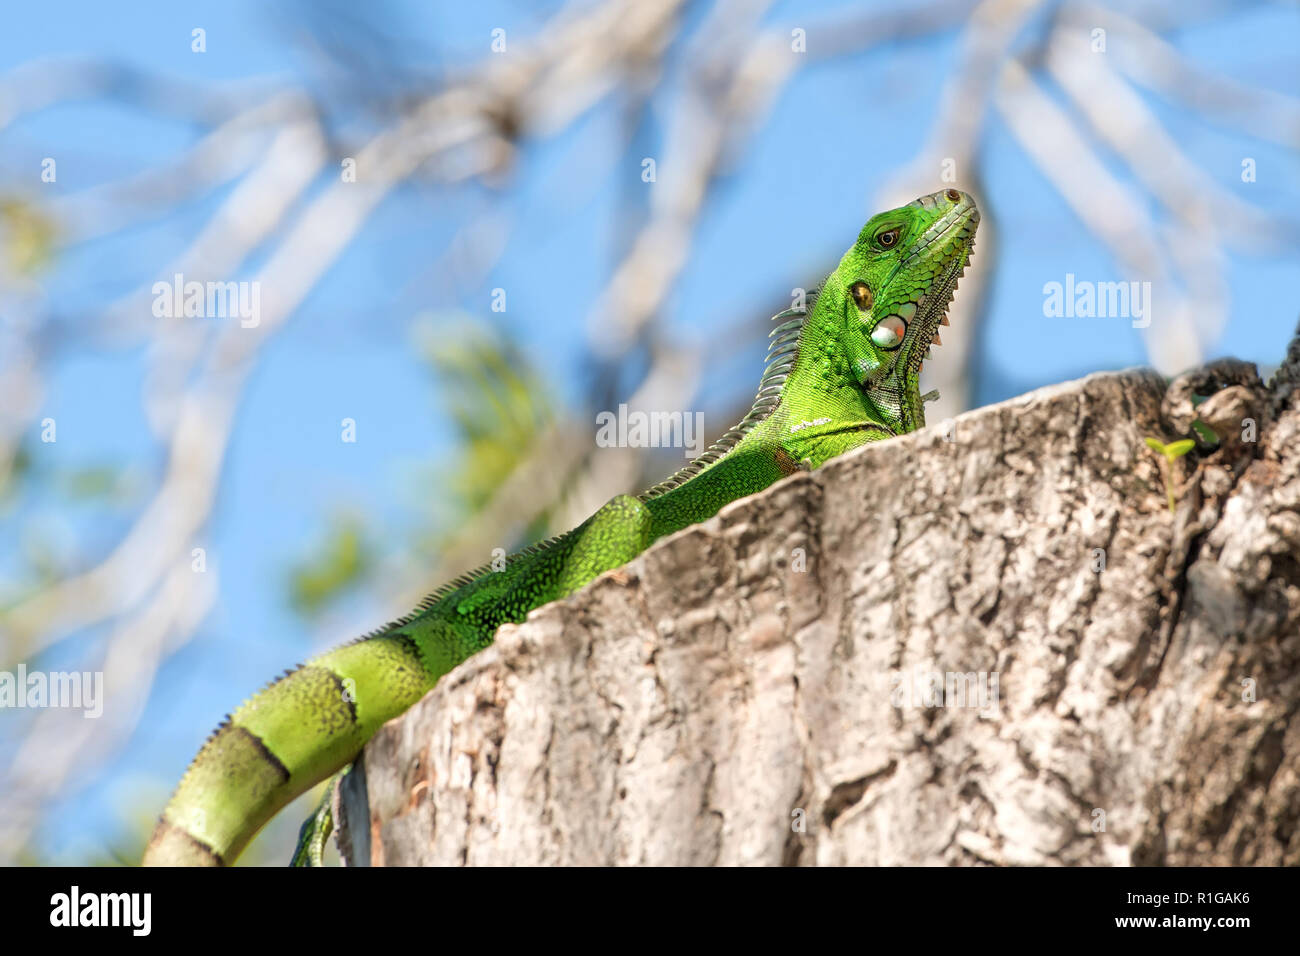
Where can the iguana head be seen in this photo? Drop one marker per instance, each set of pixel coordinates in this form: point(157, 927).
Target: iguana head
point(894, 287)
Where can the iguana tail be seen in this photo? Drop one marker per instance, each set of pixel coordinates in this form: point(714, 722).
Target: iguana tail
point(307, 725)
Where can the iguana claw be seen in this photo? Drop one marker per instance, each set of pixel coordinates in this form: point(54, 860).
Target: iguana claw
point(317, 828)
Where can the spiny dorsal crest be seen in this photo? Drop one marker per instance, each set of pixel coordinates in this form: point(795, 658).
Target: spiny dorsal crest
point(782, 352)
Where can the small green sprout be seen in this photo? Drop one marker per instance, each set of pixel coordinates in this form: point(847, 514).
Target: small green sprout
point(1173, 451)
point(1207, 433)
point(1204, 431)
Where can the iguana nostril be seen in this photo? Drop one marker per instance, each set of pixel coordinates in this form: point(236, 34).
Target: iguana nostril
point(953, 195)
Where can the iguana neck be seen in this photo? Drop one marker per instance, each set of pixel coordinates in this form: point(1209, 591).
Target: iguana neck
point(808, 409)
point(823, 408)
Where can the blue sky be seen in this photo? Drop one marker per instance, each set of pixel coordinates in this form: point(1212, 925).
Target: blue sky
point(798, 193)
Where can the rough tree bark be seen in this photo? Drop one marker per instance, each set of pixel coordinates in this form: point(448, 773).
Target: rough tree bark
point(752, 690)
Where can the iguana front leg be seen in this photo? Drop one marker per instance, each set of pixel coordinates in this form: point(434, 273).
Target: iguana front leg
point(317, 828)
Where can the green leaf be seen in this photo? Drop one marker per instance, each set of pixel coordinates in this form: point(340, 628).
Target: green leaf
point(27, 237)
point(97, 482)
point(1208, 435)
point(498, 399)
point(1179, 448)
point(1156, 445)
point(335, 566)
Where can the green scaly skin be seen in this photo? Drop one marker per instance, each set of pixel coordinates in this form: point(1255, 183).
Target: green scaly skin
point(839, 376)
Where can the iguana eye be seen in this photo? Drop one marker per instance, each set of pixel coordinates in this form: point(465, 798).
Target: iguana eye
point(889, 332)
point(887, 238)
point(862, 295)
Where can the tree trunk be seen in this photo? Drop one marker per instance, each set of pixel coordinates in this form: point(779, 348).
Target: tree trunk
point(989, 642)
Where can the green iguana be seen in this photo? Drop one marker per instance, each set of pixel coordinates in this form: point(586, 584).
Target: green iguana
point(842, 371)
